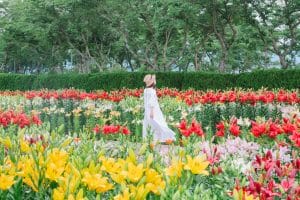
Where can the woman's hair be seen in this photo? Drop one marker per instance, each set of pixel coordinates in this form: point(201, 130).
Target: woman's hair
point(150, 77)
point(153, 85)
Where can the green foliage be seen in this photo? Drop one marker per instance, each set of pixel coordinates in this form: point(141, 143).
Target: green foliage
point(115, 35)
point(16, 81)
point(203, 81)
point(288, 79)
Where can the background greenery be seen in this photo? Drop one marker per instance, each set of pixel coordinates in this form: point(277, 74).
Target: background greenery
point(288, 79)
point(39, 36)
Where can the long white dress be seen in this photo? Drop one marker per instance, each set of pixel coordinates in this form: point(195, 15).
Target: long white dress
point(157, 126)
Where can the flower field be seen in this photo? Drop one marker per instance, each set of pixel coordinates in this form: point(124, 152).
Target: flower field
point(70, 144)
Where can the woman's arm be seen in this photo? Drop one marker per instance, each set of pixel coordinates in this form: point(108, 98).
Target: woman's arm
point(152, 112)
point(150, 103)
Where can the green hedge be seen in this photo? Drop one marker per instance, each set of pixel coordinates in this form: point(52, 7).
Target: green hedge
point(289, 79)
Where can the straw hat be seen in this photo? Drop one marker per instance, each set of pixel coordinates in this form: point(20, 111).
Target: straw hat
point(149, 79)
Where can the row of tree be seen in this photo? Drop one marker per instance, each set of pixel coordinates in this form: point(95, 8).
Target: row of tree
point(161, 35)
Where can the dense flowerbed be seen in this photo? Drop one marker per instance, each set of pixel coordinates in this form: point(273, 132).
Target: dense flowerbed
point(71, 144)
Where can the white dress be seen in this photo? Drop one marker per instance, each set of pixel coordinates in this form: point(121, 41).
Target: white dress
point(157, 126)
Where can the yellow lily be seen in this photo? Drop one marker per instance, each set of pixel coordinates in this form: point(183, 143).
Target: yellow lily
point(118, 177)
point(154, 181)
point(53, 172)
point(58, 194)
point(175, 169)
point(139, 192)
point(6, 142)
point(29, 173)
point(79, 196)
point(96, 182)
point(109, 165)
point(135, 172)
point(9, 167)
point(6, 181)
point(56, 162)
point(71, 179)
point(242, 195)
point(197, 165)
point(124, 196)
point(24, 146)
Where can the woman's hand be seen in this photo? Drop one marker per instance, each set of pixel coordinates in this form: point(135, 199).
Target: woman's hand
point(152, 113)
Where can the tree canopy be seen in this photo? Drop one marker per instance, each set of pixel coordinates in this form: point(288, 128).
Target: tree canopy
point(161, 35)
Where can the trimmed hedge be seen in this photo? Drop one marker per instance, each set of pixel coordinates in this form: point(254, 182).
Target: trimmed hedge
point(288, 79)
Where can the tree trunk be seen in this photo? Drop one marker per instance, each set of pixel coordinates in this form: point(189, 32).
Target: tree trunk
point(223, 60)
point(130, 64)
point(196, 59)
point(283, 62)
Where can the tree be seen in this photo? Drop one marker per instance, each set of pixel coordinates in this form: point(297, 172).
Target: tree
point(155, 34)
point(277, 24)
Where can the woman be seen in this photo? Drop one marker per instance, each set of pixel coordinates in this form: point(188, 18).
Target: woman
point(153, 118)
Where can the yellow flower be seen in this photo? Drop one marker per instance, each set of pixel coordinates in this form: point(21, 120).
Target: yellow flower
point(6, 142)
point(114, 168)
point(58, 194)
point(131, 157)
point(197, 165)
point(28, 171)
point(92, 169)
point(71, 179)
point(154, 181)
point(242, 195)
point(6, 181)
point(124, 196)
point(118, 177)
point(59, 157)
point(109, 165)
point(135, 172)
point(79, 196)
point(9, 167)
point(53, 172)
point(175, 169)
point(139, 192)
point(96, 182)
point(24, 146)
point(56, 162)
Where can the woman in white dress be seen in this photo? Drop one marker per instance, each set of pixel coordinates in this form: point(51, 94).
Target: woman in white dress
point(154, 120)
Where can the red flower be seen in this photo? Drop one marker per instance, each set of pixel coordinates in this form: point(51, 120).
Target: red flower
point(286, 184)
point(274, 130)
point(97, 129)
point(125, 131)
point(186, 133)
point(220, 129)
point(220, 133)
point(36, 120)
point(196, 128)
point(295, 137)
point(235, 129)
point(182, 125)
point(288, 127)
point(189, 101)
point(254, 187)
point(258, 129)
point(296, 163)
point(112, 129)
point(107, 129)
point(220, 126)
